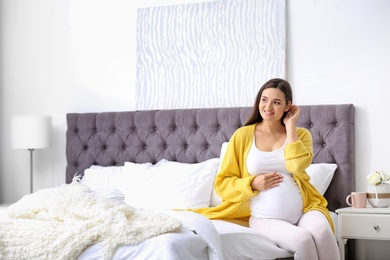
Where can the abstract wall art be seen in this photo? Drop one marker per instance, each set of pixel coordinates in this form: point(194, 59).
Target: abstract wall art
point(210, 54)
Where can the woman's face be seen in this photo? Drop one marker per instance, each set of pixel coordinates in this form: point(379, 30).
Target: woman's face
point(273, 104)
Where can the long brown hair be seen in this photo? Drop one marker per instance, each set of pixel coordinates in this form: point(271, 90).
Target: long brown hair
point(281, 84)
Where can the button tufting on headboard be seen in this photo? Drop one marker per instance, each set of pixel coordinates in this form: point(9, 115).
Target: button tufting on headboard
point(195, 135)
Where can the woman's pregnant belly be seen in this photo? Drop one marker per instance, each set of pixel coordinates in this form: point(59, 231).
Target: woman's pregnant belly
point(281, 202)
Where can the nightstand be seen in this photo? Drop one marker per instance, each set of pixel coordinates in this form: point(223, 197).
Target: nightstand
point(362, 223)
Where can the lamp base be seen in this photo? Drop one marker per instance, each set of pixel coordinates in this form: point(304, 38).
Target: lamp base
point(31, 170)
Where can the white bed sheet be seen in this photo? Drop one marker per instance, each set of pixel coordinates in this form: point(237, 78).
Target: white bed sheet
point(237, 242)
point(198, 239)
point(183, 245)
point(210, 240)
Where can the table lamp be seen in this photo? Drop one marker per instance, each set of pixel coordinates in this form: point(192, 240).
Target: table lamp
point(30, 132)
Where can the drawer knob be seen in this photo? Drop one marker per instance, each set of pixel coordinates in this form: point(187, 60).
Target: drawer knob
point(376, 227)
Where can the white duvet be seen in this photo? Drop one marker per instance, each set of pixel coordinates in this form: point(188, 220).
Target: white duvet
point(237, 242)
point(198, 239)
point(179, 235)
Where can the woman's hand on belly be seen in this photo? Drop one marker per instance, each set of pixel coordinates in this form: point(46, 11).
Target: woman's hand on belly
point(284, 202)
point(266, 181)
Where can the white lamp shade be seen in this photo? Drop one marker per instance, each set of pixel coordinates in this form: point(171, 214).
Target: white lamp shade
point(30, 132)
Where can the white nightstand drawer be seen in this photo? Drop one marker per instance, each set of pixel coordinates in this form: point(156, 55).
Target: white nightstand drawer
point(374, 226)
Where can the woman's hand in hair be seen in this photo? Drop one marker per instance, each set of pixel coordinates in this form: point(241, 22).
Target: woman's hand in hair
point(292, 115)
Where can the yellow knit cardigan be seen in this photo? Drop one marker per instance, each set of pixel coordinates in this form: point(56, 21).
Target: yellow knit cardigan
point(233, 182)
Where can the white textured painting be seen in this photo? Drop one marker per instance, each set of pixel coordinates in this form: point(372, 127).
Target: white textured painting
point(211, 54)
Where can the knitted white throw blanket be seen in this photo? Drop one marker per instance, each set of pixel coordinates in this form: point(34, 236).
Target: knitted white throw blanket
point(61, 222)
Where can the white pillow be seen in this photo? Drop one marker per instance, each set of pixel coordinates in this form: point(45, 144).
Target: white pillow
point(108, 177)
point(321, 175)
point(215, 199)
point(166, 185)
point(112, 194)
point(181, 185)
point(100, 178)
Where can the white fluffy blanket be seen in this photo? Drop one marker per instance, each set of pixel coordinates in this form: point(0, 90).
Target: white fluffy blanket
point(59, 223)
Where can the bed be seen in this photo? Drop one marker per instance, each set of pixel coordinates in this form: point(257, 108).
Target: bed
point(103, 149)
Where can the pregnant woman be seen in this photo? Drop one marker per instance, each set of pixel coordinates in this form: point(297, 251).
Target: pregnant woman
point(262, 178)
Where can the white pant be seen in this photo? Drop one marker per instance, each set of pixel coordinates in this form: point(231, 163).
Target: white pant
point(311, 239)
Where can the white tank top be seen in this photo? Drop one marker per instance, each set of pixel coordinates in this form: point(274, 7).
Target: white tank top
point(282, 202)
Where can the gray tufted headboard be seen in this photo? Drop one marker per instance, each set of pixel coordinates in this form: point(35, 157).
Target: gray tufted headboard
point(195, 135)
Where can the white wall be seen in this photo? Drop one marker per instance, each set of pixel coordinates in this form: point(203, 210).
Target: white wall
point(62, 56)
point(338, 52)
point(1, 95)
